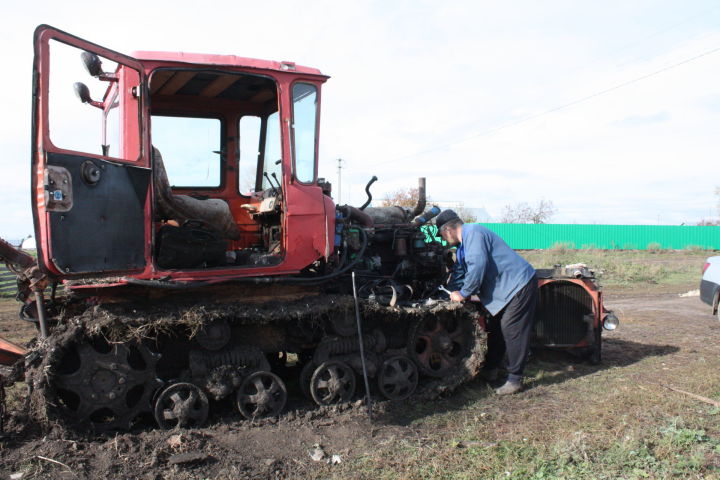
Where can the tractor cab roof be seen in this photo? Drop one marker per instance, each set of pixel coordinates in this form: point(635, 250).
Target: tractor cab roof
point(226, 60)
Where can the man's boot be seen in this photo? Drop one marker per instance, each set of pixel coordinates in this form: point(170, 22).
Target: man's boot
point(512, 385)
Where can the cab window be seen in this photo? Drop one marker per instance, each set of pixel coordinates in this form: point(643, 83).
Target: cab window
point(191, 149)
point(84, 109)
point(304, 131)
point(272, 151)
point(249, 129)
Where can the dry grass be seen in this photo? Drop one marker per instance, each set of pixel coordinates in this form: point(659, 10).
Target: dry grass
point(18, 332)
point(651, 269)
point(578, 424)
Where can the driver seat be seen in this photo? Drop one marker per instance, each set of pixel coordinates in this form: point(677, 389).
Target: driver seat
point(213, 212)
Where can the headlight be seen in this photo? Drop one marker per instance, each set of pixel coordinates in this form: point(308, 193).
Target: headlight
point(611, 322)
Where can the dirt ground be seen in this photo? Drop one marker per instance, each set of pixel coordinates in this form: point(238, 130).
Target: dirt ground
point(664, 340)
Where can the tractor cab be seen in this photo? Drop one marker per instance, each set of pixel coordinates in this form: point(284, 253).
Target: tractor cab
point(175, 166)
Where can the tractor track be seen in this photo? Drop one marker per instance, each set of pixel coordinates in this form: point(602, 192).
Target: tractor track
point(124, 326)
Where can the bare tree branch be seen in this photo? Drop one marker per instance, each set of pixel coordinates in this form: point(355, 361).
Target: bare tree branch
point(405, 197)
point(523, 212)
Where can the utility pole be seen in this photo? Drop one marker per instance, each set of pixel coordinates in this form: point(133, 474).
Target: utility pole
point(339, 169)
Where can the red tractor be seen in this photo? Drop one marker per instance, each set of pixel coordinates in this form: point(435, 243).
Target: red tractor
point(177, 203)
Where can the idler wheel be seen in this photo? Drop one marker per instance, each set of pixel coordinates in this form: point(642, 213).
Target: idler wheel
point(398, 377)
point(438, 345)
point(103, 385)
point(332, 382)
point(262, 394)
point(181, 405)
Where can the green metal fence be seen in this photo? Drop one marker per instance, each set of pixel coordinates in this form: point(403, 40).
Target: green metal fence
point(607, 237)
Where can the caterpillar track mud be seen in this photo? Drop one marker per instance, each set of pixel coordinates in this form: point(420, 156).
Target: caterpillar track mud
point(109, 366)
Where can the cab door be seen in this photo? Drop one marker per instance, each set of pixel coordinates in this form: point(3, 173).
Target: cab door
point(90, 166)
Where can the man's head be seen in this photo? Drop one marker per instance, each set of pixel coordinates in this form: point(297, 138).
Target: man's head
point(449, 227)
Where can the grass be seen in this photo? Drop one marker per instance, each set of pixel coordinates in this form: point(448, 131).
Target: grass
point(673, 451)
point(635, 268)
point(16, 331)
point(487, 440)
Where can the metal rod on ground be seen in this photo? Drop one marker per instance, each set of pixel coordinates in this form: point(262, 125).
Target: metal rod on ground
point(40, 304)
point(362, 348)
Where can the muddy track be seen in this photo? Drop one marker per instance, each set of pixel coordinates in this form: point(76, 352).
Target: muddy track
point(306, 326)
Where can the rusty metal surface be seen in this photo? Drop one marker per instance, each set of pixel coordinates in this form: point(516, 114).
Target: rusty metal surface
point(14, 256)
point(9, 352)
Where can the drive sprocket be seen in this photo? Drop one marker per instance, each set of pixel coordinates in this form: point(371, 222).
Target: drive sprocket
point(105, 385)
point(439, 344)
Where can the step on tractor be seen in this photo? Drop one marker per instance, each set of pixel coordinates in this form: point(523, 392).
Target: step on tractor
point(190, 258)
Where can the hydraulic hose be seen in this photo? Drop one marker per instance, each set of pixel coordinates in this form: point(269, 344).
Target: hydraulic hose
point(367, 190)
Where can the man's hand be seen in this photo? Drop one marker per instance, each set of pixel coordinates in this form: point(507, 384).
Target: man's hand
point(457, 297)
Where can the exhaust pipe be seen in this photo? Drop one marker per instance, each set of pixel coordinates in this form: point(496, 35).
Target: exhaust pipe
point(420, 207)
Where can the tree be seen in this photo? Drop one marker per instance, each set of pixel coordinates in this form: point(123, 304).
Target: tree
point(466, 215)
point(523, 212)
point(708, 222)
point(408, 198)
point(405, 197)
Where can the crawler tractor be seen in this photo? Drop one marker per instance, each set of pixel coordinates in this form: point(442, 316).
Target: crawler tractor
point(190, 258)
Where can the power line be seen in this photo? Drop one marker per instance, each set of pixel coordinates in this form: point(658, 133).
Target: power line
point(554, 109)
point(662, 31)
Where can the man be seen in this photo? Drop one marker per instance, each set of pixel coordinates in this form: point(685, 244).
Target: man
point(507, 287)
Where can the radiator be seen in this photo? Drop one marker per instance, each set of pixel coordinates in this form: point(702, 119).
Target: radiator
point(564, 315)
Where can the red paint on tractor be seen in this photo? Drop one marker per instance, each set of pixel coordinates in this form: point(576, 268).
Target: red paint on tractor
point(9, 352)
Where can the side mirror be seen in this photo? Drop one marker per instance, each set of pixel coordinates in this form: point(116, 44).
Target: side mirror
point(82, 92)
point(92, 63)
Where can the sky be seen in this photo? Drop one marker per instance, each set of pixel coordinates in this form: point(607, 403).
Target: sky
point(611, 110)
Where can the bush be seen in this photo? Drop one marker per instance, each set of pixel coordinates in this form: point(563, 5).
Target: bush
point(654, 247)
point(561, 247)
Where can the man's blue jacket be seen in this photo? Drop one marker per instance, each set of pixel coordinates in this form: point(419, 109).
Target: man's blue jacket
point(492, 270)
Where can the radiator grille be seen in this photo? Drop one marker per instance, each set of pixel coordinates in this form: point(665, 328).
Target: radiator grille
point(562, 313)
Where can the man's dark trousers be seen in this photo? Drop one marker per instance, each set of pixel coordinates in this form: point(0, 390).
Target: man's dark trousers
point(510, 331)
